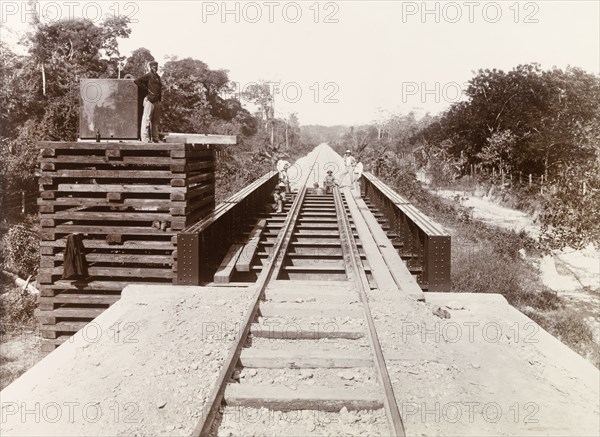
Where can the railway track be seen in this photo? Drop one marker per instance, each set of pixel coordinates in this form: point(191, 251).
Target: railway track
point(308, 343)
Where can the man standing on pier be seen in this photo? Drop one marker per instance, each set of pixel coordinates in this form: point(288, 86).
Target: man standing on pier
point(151, 83)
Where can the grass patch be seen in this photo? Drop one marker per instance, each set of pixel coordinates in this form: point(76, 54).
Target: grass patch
point(5, 359)
point(19, 354)
point(566, 325)
point(7, 376)
point(20, 350)
point(18, 333)
point(16, 311)
point(476, 269)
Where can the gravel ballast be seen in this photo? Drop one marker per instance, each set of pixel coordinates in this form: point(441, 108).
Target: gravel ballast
point(146, 366)
point(487, 370)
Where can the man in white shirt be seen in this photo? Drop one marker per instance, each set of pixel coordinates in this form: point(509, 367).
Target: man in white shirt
point(284, 178)
point(349, 164)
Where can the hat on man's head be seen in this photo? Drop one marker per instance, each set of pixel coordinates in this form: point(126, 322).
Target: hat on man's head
point(277, 188)
point(153, 63)
point(348, 151)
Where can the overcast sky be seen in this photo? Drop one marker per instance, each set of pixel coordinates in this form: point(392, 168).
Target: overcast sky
point(345, 62)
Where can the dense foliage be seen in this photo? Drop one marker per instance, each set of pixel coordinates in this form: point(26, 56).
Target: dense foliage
point(527, 120)
point(531, 121)
point(40, 101)
point(40, 93)
point(571, 215)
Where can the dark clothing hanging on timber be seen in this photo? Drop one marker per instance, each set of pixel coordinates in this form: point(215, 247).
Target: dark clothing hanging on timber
point(75, 264)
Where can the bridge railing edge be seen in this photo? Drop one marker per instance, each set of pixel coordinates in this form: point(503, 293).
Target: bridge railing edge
point(425, 244)
point(212, 236)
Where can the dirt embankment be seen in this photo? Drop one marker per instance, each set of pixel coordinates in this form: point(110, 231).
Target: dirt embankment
point(573, 274)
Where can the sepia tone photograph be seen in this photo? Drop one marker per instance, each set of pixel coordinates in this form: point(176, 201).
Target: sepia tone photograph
point(299, 218)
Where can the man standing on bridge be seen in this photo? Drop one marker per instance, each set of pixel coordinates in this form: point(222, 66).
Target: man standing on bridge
point(349, 163)
point(284, 178)
point(151, 83)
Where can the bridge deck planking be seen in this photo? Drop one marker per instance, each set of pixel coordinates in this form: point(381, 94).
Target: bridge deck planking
point(378, 266)
point(301, 312)
point(318, 357)
point(304, 328)
point(307, 309)
point(395, 265)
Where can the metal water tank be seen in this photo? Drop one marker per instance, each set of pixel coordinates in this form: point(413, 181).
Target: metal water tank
point(108, 109)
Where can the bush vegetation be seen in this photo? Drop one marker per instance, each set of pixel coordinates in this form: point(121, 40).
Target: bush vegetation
point(20, 248)
point(17, 327)
point(567, 325)
point(16, 310)
point(20, 256)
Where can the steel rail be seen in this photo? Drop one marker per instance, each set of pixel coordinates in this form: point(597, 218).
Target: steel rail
point(362, 284)
point(271, 270)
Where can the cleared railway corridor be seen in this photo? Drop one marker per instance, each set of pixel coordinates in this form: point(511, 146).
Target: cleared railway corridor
point(319, 319)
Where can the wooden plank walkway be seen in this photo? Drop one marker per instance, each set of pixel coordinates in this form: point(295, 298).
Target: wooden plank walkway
point(395, 265)
point(227, 267)
point(250, 248)
point(379, 268)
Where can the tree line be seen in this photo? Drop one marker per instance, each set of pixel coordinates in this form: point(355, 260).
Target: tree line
point(526, 120)
point(517, 123)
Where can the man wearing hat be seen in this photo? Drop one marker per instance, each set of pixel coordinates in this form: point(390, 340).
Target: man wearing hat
point(349, 163)
point(284, 178)
point(283, 187)
point(278, 197)
point(151, 83)
point(329, 182)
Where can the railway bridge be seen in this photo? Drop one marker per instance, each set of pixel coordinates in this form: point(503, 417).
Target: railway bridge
point(146, 214)
point(332, 317)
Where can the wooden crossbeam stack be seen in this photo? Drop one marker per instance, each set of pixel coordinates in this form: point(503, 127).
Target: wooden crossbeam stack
point(127, 201)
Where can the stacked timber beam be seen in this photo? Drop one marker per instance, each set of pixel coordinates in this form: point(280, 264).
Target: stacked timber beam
point(424, 243)
point(127, 201)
